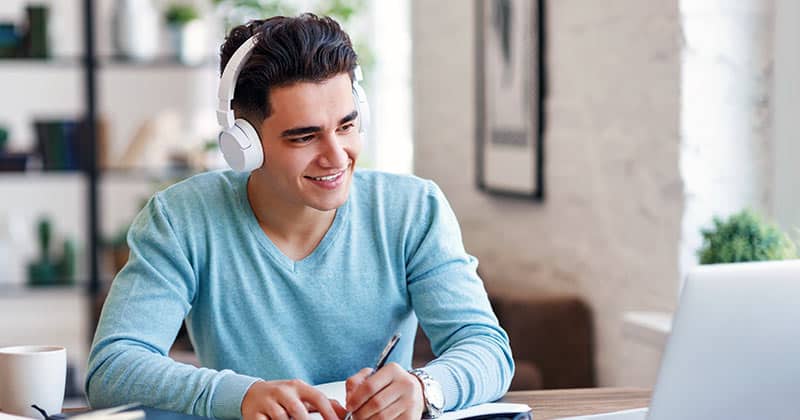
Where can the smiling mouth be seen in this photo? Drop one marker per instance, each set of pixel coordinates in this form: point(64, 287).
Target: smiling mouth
point(328, 178)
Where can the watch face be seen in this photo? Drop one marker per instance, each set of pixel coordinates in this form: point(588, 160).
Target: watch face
point(435, 395)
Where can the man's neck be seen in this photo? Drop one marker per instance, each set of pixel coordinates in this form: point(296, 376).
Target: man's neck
point(295, 229)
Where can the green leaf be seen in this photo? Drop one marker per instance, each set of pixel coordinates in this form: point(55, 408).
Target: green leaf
point(180, 14)
point(744, 236)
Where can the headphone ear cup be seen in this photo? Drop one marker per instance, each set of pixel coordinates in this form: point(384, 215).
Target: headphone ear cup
point(360, 99)
point(241, 147)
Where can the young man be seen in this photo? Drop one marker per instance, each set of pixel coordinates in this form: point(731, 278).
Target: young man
point(297, 272)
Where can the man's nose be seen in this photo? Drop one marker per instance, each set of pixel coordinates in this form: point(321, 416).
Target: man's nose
point(334, 155)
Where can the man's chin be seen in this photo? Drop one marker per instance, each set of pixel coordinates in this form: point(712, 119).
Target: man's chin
point(324, 207)
point(331, 203)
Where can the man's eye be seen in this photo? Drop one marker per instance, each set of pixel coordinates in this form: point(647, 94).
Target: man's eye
point(304, 139)
point(347, 127)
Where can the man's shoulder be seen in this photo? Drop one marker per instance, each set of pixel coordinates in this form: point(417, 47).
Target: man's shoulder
point(372, 181)
point(396, 196)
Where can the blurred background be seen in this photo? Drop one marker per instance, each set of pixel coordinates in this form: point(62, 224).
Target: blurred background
point(638, 123)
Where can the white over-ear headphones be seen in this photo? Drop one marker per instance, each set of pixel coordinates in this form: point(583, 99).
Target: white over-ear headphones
point(238, 140)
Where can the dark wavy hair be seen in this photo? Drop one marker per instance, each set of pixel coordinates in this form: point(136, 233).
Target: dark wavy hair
point(306, 48)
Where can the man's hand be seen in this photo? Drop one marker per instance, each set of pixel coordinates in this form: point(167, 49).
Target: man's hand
point(391, 393)
point(282, 400)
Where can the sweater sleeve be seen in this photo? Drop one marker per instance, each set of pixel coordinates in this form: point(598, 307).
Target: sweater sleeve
point(143, 312)
point(474, 362)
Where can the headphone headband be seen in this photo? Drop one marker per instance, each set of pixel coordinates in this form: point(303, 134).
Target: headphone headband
point(227, 83)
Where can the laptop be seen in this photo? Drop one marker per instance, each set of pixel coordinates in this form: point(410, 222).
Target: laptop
point(734, 350)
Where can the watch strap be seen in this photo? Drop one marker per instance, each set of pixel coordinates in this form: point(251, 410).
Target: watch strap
point(432, 395)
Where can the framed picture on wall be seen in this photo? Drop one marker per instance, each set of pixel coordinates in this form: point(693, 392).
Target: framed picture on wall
point(510, 83)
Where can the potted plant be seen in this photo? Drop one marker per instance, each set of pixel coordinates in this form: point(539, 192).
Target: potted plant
point(187, 32)
point(744, 236)
point(49, 270)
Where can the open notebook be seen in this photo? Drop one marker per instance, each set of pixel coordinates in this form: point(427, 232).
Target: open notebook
point(333, 390)
point(336, 391)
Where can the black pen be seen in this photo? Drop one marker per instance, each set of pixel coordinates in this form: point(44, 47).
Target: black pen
point(381, 360)
point(386, 352)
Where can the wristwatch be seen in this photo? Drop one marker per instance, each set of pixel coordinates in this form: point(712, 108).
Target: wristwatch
point(431, 393)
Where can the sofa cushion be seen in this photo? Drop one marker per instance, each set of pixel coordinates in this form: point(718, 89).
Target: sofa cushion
point(551, 341)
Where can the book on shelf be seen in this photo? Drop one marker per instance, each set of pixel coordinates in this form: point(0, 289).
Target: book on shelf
point(61, 143)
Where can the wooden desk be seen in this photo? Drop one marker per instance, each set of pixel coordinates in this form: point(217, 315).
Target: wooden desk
point(552, 404)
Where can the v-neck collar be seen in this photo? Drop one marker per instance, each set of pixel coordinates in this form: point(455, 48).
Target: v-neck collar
point(272, 250)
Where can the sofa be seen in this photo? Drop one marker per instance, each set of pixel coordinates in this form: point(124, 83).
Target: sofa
point(551, 338)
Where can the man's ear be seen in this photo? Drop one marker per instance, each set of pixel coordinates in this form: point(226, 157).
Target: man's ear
point(249, 117)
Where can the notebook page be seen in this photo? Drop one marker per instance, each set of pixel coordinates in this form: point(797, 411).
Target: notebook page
point(336, 391)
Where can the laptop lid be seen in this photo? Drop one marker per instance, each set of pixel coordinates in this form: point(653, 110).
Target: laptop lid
point(734, 350)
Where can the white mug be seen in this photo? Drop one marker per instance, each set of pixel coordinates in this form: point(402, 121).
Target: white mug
point(32, 375)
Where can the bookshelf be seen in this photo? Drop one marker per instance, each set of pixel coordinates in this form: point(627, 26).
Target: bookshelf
point(85, 81)
point(85, 200)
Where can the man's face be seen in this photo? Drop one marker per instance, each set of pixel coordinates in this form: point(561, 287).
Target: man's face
point(311, 143)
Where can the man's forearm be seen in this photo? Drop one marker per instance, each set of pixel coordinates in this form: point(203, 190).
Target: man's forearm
point(122, 373)
point(477, 369)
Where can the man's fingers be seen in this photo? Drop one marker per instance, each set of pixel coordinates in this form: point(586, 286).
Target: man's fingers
point(338, 409)
point(257, 416)
point(318, 401)
point(295, 409)
point(275, 411)
point(367, 390)
point(378, 403)
point(284, 400)
point(352, 385)
point(354, 381)
point(393, 411)
point(390, 392)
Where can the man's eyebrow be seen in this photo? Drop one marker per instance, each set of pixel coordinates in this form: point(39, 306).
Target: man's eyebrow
point(299, 131)
point(349, 117)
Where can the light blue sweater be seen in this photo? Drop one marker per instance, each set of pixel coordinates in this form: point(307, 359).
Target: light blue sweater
point(392, 255)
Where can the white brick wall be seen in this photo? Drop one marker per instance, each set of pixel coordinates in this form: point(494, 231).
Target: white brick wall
point(610, 226)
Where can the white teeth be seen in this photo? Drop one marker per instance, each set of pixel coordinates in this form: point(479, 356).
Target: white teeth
point(325, 178)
